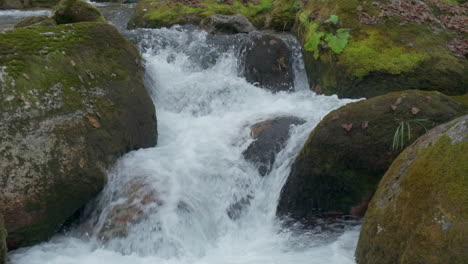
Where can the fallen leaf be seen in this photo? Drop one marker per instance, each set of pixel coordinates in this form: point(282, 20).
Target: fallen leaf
point(347, 127)
point(72, 62)
point(81, 78)
point(415, 110)
point(335, 117)
point(393, 107)
point(398, 101)
point(364, 124)
point(93, 121)
point(26, 76)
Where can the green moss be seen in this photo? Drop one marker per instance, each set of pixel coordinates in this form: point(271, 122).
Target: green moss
point(462, 99)
point(157, 13)
point(283, 14)
point(376, 53)
point(422, 201)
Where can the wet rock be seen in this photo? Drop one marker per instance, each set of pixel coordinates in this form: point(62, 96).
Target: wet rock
point(73, 11)
point(138, 198)
point(227, 24)
point(270, 137)
point(36, 21)
point(347, 154)
point(422, 202)
point(60, 132)
point(268, 63)
point(3, 247)
point(237, 209)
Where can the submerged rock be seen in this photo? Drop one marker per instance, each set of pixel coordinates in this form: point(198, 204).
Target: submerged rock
point(349, 151)
point(361, 49)
point(3, 247)
point(419, 213)
point(73, 11)
point(227, 24)
point(268, 63)
point(72, 102)
point(270, 137)
point(36, 21)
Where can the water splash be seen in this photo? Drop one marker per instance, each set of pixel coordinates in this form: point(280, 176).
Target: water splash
point(197, 171)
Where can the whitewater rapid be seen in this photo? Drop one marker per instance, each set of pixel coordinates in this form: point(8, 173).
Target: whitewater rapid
point(204, 108)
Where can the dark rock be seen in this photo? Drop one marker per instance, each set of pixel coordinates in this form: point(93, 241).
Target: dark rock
point(36, 21)
point(419, 213)
point(227, 24)
point(74, 11)
point(3, 247)
point(270, 137)
point(349, 151)
point(268, 63)
point(75, 104)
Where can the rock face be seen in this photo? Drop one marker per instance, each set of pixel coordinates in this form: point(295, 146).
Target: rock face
point(227, 24)
point(270, 137)
point(363, 49)
point(72, 102)
point(346, 155)
point(20, 4)
point(419, 213)
point(73, 11)
point(268, 63)
point(3, 247)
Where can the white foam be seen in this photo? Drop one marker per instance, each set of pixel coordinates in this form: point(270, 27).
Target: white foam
point(13, 13)
point(204, 111)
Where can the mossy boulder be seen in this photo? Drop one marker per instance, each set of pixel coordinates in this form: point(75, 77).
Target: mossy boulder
point(361, 49)
point(163, 13)
point(3, 247)
point(419, 213)
point(22, 4)
point(277, 14)
point(36, 21)
point(73, 11)
point(338, 169)
point(72, 102)
point(224, 24)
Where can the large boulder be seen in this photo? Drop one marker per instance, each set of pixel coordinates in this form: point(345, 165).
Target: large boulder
point(21, 4)
point(361, 49)
point(419, 213)
point(3, 247)
point(72, 102)
point(227, 24)
point(74, 11)
point(270, 137)
point(268, 63)
point(346, 155)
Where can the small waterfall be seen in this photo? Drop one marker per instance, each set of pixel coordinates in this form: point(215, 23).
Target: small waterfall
point(169, 204)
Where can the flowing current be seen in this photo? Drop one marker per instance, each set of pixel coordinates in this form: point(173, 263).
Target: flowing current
point(176, 195)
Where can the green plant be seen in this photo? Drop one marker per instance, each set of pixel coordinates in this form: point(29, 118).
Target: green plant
point(401, 137)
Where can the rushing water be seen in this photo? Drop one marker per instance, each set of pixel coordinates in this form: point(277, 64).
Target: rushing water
point(197, 171)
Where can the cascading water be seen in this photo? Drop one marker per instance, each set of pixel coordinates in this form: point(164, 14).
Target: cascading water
point(177, 194)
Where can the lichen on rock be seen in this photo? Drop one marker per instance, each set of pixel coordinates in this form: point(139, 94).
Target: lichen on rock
point(419, 213)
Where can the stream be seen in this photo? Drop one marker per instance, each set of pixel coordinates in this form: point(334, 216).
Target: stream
point(178, 193)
